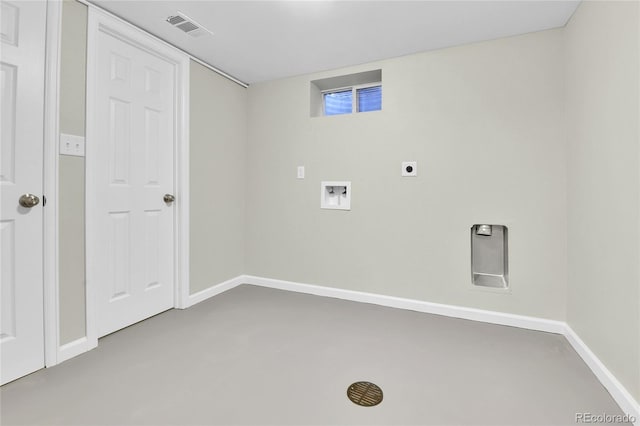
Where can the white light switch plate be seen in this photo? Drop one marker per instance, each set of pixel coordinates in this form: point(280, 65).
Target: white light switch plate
point(300, 172)
point(71, 145)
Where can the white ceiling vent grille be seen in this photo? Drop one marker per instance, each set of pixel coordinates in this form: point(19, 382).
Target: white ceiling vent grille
point(188, 25)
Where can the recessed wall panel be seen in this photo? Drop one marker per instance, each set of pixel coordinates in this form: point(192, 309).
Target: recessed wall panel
point(119, 68)
point(152, 139)
point(151, 80)
point(120, 254)
point(7, 304)
point(152, 248)
point(119, 140)
point(8, 83)
point(9, 23)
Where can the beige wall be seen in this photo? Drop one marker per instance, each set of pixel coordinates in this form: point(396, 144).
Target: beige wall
point(218, 132)
point(602, 77)
point(488, 126)
point(71, 172)
point(485, 123)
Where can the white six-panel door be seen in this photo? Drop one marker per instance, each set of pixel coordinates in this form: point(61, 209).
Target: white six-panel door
point(22, 55)
point(132, 155)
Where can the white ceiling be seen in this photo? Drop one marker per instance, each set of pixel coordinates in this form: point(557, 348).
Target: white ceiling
point(265, 40)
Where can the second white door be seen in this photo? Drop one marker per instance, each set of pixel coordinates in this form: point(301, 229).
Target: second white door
point(132, 181)
point(22, 57)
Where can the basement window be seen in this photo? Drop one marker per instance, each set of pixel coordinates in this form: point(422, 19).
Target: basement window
point(347, 94)
point(340, 102)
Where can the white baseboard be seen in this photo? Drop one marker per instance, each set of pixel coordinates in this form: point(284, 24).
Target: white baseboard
point(72, 349)
point(473, 314)
point(622, 397)
point(214, 290)
point(82, 345)
point(619, 393)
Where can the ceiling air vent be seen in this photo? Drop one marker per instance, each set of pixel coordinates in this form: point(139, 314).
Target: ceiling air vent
point(188, 25)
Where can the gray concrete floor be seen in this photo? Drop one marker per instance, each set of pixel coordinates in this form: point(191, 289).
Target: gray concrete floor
point(259, 356)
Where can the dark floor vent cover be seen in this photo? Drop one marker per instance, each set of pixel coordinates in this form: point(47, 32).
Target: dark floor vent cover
point(365, 394)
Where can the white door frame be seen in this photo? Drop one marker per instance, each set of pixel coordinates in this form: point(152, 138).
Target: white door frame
point(50, 186)
point(100, 21)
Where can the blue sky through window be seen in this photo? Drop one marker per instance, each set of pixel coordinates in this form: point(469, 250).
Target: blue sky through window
point(370, 99)
point(338, 102)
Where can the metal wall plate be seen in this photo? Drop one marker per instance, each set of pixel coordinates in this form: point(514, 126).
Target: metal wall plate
point(489, 256)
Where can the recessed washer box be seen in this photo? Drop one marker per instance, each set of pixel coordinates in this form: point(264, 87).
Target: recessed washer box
point(489, 256)
point(335, 195)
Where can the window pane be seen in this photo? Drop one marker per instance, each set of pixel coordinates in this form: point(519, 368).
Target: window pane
point(338, 102)
point(370, 99)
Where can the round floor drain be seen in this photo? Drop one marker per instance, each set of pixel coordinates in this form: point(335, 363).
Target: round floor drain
point(366, 394)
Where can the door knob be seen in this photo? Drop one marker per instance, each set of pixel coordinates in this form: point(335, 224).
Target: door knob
point(168, 198)
point(28, 200)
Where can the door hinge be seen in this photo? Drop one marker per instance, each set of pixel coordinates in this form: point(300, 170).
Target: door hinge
point(44, 200)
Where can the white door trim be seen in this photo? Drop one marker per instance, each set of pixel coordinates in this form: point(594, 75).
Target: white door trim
point(181, 155)
point(100, 21)
point(50, 184)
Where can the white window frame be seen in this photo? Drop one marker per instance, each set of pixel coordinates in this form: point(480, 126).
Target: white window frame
point(354, 95)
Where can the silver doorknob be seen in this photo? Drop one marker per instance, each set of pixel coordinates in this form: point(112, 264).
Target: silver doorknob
point(28, 200)
point(168, 198)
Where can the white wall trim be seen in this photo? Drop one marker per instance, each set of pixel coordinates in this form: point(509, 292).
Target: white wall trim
point(182, 172)
point(91, 325)
point(84, 344)
point(50, 184)
point(90, 291)
point(73, 349)
point(215, 290)
point(632, 401)
point(100, 21)
point(619, 393)
point(473, 314)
